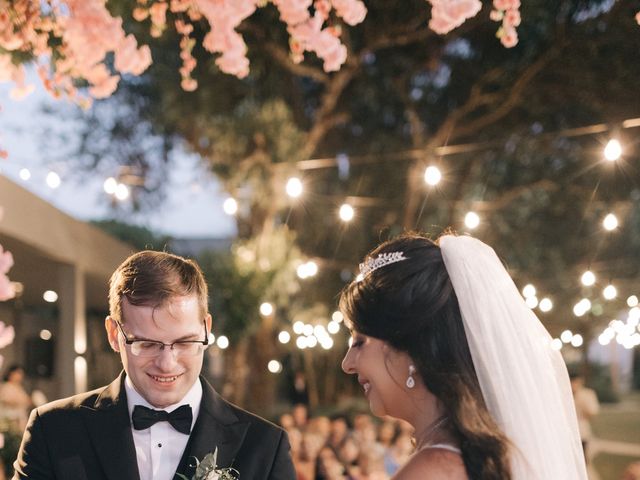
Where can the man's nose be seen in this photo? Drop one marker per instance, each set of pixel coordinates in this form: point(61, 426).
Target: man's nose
point(167, 358)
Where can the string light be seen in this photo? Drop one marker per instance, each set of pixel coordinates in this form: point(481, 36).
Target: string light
point(319, 331)
point(432, 176)
point(327, 344)
point(346, 212)
point(577, 340)
point(545, 305)
point(50, 296)
point(266, 309)
point(53, 180)
point(609, 292)
point(222, 342)
point(556, 344)
point(25, 174)
point(312, 342)
point(306, 270)
point(294, 187)
point(582, 307)
point(471, 220)
point(45, 334)
point(632, 301)
point(532, 302)
point(284, 337)
point(610, 222)
point(529, 291)
point(588, 278)
point(307, 330)
point(333, 327)
point(566, 336)
point(274, 366)
point(110, 185)
point(301, 343)
point(613, 150)
point(230, 206)
point(337, 316)
point(298, 327)
point(122, 192)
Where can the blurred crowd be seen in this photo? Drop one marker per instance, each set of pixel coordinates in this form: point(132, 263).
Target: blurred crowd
point(341, 448)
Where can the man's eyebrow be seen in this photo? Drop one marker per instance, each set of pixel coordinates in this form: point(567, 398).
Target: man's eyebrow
point(189, 336)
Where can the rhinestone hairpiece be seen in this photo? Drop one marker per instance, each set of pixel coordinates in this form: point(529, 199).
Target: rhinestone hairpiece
point(381, 260)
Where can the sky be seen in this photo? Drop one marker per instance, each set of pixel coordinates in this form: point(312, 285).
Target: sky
point(193, 206)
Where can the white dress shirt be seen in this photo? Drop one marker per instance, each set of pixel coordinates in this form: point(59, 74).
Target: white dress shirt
point(160, 447)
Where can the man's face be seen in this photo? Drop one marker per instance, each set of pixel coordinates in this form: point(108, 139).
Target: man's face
point(165, 379)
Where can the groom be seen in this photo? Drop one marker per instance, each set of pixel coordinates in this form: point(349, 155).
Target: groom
point(159, 415)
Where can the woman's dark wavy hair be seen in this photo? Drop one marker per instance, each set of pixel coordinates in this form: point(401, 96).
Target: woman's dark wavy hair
point(412, 306)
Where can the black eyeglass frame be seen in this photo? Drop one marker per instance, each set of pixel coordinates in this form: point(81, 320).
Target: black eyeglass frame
point(130, 341)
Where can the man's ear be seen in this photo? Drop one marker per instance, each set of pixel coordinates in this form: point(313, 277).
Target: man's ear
point(208, 320)
point(112, 333)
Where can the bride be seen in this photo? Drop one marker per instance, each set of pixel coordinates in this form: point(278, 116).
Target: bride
point(442, 338)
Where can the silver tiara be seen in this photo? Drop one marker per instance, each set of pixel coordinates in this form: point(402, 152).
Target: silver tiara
point(381, 260)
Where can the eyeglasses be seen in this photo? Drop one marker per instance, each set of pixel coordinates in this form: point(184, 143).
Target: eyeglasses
point(153, 348)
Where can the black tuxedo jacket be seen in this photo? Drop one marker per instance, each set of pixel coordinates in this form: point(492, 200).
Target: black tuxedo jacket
point(88, 437)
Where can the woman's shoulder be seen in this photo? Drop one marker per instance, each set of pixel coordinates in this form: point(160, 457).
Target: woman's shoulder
point(433, 464)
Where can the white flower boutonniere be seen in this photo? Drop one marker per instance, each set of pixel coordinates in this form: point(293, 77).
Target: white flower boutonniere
point(206, 469)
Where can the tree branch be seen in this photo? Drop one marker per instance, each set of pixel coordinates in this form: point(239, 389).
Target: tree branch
point(282, 57)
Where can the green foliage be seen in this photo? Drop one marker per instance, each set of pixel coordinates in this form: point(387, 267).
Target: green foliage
point(600, 381)
point(255, 271)
point(140, 237)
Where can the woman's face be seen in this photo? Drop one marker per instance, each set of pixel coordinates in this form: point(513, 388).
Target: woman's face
point(382, 372)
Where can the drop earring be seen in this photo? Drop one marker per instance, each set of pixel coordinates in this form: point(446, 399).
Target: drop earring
point(411, 382)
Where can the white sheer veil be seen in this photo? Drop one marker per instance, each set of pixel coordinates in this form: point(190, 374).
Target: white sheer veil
point(523, 380)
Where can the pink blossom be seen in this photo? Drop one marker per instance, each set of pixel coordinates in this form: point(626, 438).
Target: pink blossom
point(189, 84)
point(131, 59)
point(351, 11)
point(183, 28)
point(509, 37)
point(224, 17)
point(293, 11)
point(7, 290)
point(6, 261)
point(158, 12)
point(512, 18)
point(496, 15)
point(449, 14)
point(104, 87)
point(7, 334)
point(322, 7)
point(140, 14)
point(180, 5)
point(506, 4)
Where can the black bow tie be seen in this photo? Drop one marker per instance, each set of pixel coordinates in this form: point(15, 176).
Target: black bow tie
point(180, 418)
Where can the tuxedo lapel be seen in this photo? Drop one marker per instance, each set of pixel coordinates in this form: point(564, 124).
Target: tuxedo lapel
point(216, 427)
point(107, 421)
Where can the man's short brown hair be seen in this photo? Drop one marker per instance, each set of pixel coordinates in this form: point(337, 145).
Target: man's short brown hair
point(150, 278)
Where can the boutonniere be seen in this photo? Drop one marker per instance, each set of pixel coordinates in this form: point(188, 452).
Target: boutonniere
point(206, 469)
